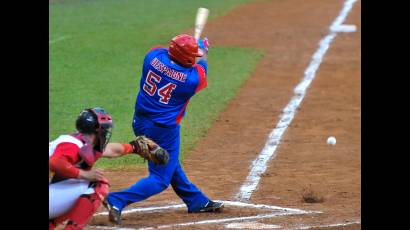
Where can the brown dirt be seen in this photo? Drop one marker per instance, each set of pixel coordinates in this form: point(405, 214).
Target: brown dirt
point(288, 31)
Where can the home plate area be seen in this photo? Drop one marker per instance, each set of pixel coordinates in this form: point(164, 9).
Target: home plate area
point(236, 215)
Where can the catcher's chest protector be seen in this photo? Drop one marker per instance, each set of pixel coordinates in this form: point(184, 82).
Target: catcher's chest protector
point(88, 155)
point(53, 145)
point(61, 139)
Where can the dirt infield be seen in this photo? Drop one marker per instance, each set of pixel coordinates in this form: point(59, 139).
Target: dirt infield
point(288, 32)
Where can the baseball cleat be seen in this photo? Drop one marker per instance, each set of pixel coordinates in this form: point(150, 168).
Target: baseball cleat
point(212, 206)
point(114, 215)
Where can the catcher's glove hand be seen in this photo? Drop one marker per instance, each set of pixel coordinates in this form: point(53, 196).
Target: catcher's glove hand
point(149, 150)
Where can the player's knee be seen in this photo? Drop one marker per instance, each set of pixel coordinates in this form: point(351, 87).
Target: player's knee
point(162, 185)
point(162, 182)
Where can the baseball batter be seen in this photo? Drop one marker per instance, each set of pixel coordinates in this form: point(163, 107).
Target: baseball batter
point(170, 77)
point(76, 190)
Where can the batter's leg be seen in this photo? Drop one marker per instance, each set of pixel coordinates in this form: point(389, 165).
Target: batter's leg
point(159, 175)
point(144, 188)
point(187, 191)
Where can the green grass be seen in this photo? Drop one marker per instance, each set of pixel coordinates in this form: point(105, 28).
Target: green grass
point(99, 63)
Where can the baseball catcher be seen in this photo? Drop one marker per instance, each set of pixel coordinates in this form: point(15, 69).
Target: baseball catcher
point(76, 190)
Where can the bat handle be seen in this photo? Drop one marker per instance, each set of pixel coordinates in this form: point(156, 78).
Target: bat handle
point(197, 33)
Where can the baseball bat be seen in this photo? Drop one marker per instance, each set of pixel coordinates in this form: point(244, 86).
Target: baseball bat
point(200, 21)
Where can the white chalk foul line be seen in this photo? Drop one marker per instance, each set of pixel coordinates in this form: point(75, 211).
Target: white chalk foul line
point(344, 29)
point(259, 165)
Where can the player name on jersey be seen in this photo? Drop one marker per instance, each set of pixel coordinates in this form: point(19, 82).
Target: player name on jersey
point(168, 71)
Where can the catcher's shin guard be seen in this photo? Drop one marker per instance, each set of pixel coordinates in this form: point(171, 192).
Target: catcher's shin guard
point(83, 211)
point(86, 206)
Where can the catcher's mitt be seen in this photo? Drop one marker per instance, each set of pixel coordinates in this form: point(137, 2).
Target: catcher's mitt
point(149, 150)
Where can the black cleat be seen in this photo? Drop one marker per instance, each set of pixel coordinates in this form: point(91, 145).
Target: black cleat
point(212, 206)
point(114, 215)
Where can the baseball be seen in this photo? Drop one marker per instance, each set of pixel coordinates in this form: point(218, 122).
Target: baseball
point(331, 140)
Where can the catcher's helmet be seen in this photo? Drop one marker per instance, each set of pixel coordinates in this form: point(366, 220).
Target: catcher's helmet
point(183, 49)
point(98, 122)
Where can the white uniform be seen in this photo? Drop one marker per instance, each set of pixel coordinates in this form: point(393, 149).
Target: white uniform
point(62, 195)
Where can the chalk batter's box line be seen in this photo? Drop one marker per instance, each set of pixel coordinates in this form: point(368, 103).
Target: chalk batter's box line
point(227, 203)
point(281, 211)
point(324, 225)
point(276, 226)
point(212, 221)
point(232, 219)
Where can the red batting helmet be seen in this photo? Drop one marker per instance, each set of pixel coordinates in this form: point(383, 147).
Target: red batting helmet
point(183, 49)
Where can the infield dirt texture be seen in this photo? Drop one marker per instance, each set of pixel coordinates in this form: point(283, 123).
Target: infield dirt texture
point(288, 32)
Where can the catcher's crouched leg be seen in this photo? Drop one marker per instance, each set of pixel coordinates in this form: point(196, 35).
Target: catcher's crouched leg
point(85, 207)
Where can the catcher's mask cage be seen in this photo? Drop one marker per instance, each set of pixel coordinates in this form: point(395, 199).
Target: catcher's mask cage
point(98, 122)
point(183, 49)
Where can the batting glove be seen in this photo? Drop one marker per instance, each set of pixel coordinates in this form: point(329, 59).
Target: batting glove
point(203, 44)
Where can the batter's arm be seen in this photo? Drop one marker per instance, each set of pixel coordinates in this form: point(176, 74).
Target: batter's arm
point(203, 45)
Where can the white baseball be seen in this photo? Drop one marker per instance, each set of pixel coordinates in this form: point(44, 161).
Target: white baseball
point(331, 140)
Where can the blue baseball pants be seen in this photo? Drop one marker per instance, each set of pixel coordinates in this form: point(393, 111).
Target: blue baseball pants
point(160, 176)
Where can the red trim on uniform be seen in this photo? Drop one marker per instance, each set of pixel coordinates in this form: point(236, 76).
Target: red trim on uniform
point(63, 160)
point(202, 78)
point(155, 47)
point(179, 117)
point(127, 148)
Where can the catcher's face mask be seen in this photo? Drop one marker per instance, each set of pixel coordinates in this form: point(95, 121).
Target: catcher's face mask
point(104, 131)
point(103, 137)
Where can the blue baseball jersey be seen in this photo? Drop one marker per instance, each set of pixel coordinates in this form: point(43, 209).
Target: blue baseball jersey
point(166, 87)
